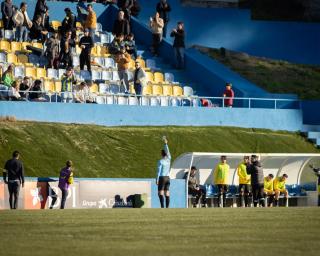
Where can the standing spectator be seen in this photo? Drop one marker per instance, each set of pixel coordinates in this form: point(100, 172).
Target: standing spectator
point(82, 94)
point(126, 6)
point(244, 182)
point(317, 173)
point(22, 23)
point(46, 22)
point(7, 13)
point(163, 176)
point(66, 45)
point(65, 180)
point(7, 76)
point(229, 95)
point(221, 177)
point(69, 23)
point(52, 50)
point(14, 170)
point(36, 93)
point(279, 187)
point(81, 12)
point(194, 189)
point(24, 87)
point(179, 44)
point(163, 8)
point(139, 78)
point(268, 189)
point(13, 92)
point(130, 44)
point(41, 9)
point(37, 31)
point(86, 44)
point(121, 25)
point(123, 59)
point(257, 181)
point(135, 9)
point(156, 25)
point(91, 21)
point(68, 81)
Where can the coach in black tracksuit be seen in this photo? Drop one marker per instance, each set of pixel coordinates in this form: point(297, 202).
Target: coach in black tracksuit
point(86, 44)
point(13, 169)
point(257, 181)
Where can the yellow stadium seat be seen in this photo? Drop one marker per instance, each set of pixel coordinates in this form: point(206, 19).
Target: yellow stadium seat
point(41, 73)
point(1, 24)
point(94, 88)
point(177, 91)
point(149, 77)
point(94, 50)
point(31, 72)
point(158, 77)
point(57, 86)
point(55, 24)
point(78, 49)
point(104, 52)
point(22, 58)
point(142, 62)
point(15, 47)
point(11, 58)
point(48, 85)
point(37, 45)
point(131, 64)
point(167, 90)
point(157, 90)
point(131, 89)
point(5, 46)
point(24, 46)
point(147, 90)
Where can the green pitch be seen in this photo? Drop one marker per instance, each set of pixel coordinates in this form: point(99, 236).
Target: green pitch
point(276, 231)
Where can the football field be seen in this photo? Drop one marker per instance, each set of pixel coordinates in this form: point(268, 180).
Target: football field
point(229, 231)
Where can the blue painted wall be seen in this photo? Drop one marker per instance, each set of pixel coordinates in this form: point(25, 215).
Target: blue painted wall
point(311, 112)
point(116, 115)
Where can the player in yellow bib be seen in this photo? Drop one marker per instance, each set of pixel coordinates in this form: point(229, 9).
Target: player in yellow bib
point(221, 177)
point(244, 182)
point(279, 187)
point(268, 189)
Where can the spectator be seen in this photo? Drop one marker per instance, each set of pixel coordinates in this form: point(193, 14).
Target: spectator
point(156, 25)
point(36, 93)
point(7, 76)
point(68, 81)
point(257, 180)
point(82, 94)
point(268, 189)
point(279, 187)
point(7, 13)
point(52, 50)
point(131, 45)
point(91, 21)
point(22, 23)
point(244, 182)
point(40, 10)
point(24, 87)
point(46, 22)
point(37, 31)
point(116, 44)
point(139, 78)
point(135, 8)
point(66, 45)
point(121, 25)
point(69, 23)
point(126, 6)
point(14, 94)
point(81, 12)
point(194, 189)
point(163, 176)
point(14, 171)
point(317, 173)
point(179, 45)
point(123, 59)
point(229, 95)
point(221, 177)
point(163, 8)
point(86, 44)
point(65, 180)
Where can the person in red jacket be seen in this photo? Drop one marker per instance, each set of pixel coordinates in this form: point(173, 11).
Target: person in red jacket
point(229, 94)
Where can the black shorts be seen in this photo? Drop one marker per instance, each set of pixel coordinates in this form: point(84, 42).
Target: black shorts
point(244, 187)
point(164, 183)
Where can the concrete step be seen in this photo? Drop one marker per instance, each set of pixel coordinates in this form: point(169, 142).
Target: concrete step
point(310, 128)
point(313, 135)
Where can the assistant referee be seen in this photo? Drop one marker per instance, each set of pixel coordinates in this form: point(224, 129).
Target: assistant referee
point(163, 179)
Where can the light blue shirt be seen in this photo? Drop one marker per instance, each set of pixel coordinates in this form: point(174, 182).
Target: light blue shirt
point(164, 164)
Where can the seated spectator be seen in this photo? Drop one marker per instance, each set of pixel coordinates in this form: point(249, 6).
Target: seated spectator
point(86, 44)
point(123, 59)
point(37, 31)
point(130, 44)
point(116, 44)
point(156, 25)
point(121, 25)
point(66, 45)
point(279, 187)
point(268, 189)
point(52, 50)
point(82, 94)
point(22, 23)
point(68, 81)
point(36, 93)
point(68, 23)
point(91, 21)
point(7, 77)
point(178, 45)
point(14, 94)
point(194, 189)
point(24, 87)
point(139, 78)
point(229, 94)
point(135, 9)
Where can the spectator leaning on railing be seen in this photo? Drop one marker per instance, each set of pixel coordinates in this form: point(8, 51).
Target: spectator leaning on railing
point(68, 81)
point(13, 92)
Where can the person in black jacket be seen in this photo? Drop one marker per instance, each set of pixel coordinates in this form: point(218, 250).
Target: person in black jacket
point(7, 13)
point(41, 9)
point(163, 8)
point(257, 181)
point(66, 45)
point(86, 44)
point(179, 44)
point(14, 171)
point(69, 23)
point(37, 31)
point(121, 25)
point(135, 9)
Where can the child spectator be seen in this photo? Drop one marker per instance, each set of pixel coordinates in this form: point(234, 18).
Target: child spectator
point(156, 25)
point(14, 94)
point(229, 94)
point(131, 45)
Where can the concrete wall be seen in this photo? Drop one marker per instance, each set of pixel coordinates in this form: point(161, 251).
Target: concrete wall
point(311, 112)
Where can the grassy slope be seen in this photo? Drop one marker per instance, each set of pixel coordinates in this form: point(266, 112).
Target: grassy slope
point(275, 76)
point(273, 231)
point(129, 151)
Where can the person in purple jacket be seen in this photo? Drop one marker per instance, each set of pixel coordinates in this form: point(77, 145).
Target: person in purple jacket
point(65, 179)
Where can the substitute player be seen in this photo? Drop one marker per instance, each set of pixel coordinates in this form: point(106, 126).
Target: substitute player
point(65, 180)
point(163, 179)
point(221, 177)
point(268, 189)
point(279, 187)
point(244, 182)
point(317, 173)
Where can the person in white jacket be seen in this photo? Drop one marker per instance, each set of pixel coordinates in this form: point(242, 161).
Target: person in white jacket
point(22, 22)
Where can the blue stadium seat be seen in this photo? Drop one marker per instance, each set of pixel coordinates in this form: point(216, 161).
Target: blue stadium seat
point(121, 100)
point(175, 102)
point(100, 100)
point(9, 35)
point(187, 91)
point(85, 75)
point(115, 76)
point(3, 57)
point(144, 101)
point(103, 88)
point(154, 101)
point(110, 100)
point(169, 77)
point(133, 101)
point(99, 27)
point(99, 60)
point(106, 75)
point(34, 59)
point(114, 89)
point(164, 101)
point(52, 73)
point(150, 63)
point(19, 71)
point(109, 63)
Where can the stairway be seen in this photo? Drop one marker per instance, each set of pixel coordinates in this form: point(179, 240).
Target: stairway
point(312, 132)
